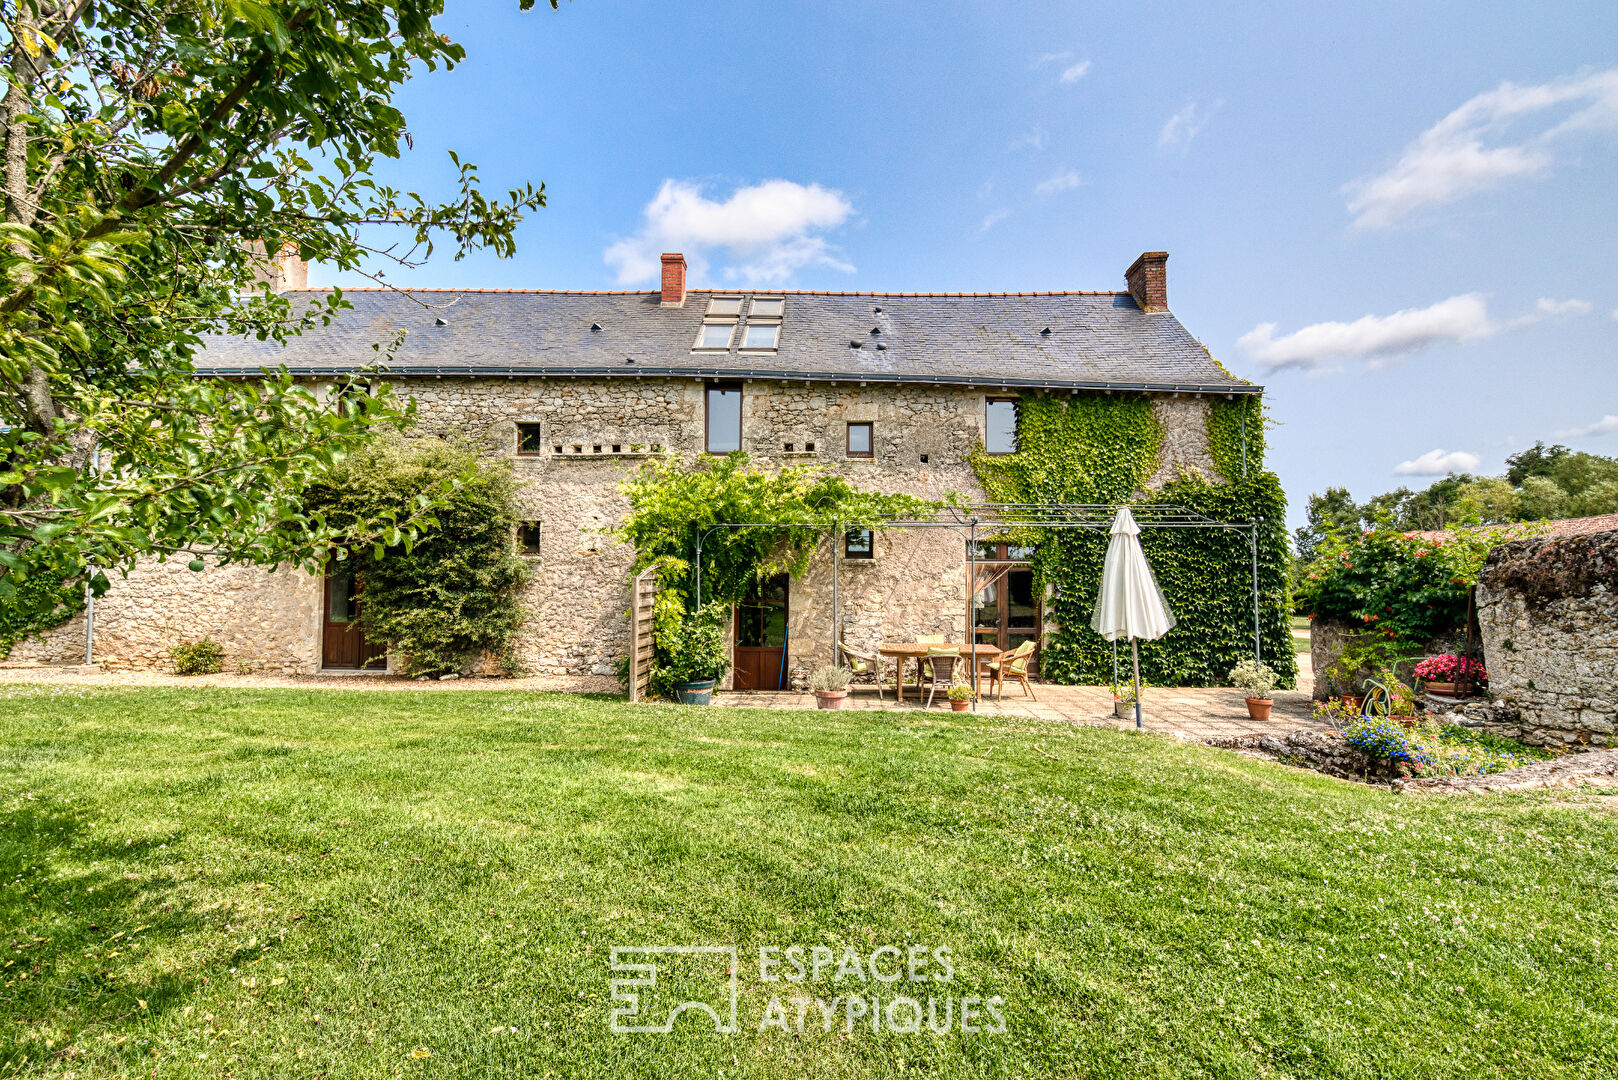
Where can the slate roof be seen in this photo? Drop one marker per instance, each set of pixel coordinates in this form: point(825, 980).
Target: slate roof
point(1083, 340)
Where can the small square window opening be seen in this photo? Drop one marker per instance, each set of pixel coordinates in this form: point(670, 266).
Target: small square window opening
point(530, 438)
point(859, 544)
point(528, 534)
point(860, 444)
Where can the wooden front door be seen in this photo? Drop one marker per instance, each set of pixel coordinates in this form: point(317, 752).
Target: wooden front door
point(761, 636)
point(343, 643)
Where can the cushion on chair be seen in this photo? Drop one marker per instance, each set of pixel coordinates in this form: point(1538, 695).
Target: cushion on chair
point(929, 639)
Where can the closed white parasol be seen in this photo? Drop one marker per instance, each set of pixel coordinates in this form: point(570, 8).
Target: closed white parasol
point(1130, 605)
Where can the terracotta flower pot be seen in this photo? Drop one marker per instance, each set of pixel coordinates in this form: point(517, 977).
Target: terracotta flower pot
point(1258, 708)
point(1446, 689)
point(1354, 701)
point(959, 706)
point(830, 699)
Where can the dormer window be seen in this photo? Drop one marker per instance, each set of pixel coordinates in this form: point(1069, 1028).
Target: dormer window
point(761, 335)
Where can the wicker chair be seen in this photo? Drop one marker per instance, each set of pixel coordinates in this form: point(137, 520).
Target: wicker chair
point(923, 672)
point(942, 663)
point(1015, 664)
point(864, 666)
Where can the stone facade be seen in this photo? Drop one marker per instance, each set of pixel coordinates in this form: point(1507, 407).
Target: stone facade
point(592, 432)
point(1548, 608)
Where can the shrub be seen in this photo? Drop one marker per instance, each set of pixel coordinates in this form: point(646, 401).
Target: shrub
point(1255, 677)
point(204, 657)
point(829, 678)
point(690, 648)
point(1432, 750)
point(960, 692)
point(453, 596)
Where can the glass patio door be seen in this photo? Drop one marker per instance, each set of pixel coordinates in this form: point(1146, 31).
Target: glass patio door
point(1007, 610)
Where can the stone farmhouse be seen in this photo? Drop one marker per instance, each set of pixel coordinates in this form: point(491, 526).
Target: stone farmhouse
point(890, 389)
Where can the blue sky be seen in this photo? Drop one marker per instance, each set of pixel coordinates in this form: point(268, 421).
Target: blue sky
point(1401, 218)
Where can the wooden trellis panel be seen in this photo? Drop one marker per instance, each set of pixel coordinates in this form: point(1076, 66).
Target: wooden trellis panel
point(642, 598)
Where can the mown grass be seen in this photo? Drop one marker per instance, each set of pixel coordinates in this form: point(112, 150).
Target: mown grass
point(322, 884)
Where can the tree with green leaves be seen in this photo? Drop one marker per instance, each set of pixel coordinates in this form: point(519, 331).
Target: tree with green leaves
point(155, 156)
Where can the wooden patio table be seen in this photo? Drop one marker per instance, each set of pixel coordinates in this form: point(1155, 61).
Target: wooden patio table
point(902, 651)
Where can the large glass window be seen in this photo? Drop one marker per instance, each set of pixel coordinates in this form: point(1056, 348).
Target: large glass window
point(1000, 427)
point(761, 336)
point(724, 418)
point(716, 335)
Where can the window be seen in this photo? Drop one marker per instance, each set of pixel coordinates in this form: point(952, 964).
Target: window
point(859, 544)
point(530, 438)
point(724, 421)
point(761, 336)
point(725, 305)
point(528, 538)
point(767, 307)
point(989, 551)
point(716, 335)
point(859, 440)
point(1000, 426)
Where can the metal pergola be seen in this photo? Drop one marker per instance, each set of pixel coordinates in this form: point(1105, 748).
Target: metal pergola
point(996, 519)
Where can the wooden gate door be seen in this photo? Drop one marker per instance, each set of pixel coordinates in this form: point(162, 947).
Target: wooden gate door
point(761, 636)
point(343, 643)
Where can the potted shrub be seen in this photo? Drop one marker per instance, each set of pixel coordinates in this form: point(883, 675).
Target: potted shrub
point(1256, 678)
point(1450, 675)
point(1123, 700)
point(692, 657)
point(830, 685)
point(960, 696)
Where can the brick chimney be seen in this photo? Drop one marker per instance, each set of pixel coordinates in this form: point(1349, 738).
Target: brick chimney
point(673, 279)
point(285, 271)
point(1148, 281)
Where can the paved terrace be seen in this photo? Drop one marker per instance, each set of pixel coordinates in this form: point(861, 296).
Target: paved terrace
point(1193, 712)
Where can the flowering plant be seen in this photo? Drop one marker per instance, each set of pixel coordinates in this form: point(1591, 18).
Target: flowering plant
point(1448, 668)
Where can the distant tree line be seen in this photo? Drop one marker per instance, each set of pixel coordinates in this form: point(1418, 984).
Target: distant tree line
point(1542, 483)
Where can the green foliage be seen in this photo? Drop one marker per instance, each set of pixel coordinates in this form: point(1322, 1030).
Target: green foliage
point(158, 152)
point(1233, 422)
point(1404, 588)
point(690, 647)
point(671, 505)
point(203, 657)
point(1096, 448)
point(830, 678)
point(1255, 677)
point(1431, 749)
point(959, 692)
point(38, 604)
point(451, 596)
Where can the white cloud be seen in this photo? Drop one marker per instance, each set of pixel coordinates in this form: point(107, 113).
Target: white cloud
point(1460, 318)
point(1051, 58)
point(1074, 72)
point(1451, 159)
point(1438, 463)
point(1563, 307)
point(1029, 140)
point(1607, 425)
point(1062, 180)
point(993, 218)
point(767, 232)
point(1179, 129)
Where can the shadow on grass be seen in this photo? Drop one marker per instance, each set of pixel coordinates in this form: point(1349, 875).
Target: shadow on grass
point(82, 916)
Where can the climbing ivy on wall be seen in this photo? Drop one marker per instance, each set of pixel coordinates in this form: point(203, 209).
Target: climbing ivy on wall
point(42, 602)
point(1103, 449)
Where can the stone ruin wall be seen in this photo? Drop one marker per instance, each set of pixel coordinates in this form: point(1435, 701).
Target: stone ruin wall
point(578, 598)
point(1549, 612)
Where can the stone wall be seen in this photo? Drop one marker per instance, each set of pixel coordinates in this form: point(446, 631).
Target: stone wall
point(1548, 608)
point(267, 622)
point(593, 432)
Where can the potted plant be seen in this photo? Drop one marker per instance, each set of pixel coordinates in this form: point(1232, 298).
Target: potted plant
point(1123, 700)
point(1450, 675)
point(830, 685)
point(1255, 677)
point(692, 657)
point(960, 696)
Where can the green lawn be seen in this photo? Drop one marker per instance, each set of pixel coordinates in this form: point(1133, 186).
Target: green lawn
point(1300, 635)
point(322, 884)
